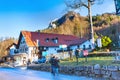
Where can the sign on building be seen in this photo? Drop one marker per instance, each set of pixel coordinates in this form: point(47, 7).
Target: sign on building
point(62, 46)
point(99, 42)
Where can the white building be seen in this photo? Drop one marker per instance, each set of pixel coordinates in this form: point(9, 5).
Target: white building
point(36, 44)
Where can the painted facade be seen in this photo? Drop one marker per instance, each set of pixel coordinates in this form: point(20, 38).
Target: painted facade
point(12, 49)
point(36, 44)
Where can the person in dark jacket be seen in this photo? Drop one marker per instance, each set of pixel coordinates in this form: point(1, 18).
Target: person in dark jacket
point(54, 65)
point(77, 55)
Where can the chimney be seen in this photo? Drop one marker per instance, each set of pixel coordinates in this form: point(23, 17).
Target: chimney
point(38, 42)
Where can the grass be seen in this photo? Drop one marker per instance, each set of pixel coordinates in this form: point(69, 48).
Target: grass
point(90, 61)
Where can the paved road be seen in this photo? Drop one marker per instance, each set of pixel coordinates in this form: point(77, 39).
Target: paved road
point(18, 74)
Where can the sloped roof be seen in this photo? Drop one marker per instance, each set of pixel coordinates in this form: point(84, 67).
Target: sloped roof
point(11, 46)
point(77, 41)
point(32, 37)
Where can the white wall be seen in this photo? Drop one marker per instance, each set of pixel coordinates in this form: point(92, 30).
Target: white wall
point(52, 50)
point(87, 43)
point(23, 48)
point(12, 49)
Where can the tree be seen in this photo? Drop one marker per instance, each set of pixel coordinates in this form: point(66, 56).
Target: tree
point(106, 41)
point(76, 4)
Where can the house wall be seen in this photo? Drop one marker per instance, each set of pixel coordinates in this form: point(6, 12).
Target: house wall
point(23, 48)
point(31, 55)
point(12, 50)
point(52, 50)
point(62, 54)
point(87, 45)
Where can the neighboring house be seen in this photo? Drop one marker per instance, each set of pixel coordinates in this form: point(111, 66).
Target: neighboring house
point(37, 44)
point(81, 43)
point(12, 49)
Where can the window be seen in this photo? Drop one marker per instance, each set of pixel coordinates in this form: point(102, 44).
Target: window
point(26, 49)
point(84, 47)
point(90, 47)
point(47, 39)
point(46, 48)
point(55, 40)
point(23, 41)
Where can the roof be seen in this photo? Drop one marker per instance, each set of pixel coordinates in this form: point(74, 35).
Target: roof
point(32, 37)
point(11, 46)
point(77, 41)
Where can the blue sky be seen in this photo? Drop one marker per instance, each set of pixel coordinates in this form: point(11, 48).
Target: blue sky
point(17, 15)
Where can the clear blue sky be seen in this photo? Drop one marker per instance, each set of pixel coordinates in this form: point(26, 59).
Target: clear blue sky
point(17, 15)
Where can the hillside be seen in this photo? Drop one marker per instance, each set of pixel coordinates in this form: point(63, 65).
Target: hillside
point(72, 23)
point(69, 24)
point(107, 24)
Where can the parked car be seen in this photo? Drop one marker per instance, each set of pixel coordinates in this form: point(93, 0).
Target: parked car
point(41, 60)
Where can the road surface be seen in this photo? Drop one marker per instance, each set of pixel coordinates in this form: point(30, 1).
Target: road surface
point(19, 74)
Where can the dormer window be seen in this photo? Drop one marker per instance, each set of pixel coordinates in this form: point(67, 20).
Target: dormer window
point(47, 39)
point(55, 40)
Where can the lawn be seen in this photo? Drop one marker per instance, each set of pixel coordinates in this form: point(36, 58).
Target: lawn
point(108, 60)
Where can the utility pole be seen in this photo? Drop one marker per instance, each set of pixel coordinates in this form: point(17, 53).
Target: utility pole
point(91, 23)
point(79, 4)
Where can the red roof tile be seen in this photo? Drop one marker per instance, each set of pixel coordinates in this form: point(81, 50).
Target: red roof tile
point(32, 37)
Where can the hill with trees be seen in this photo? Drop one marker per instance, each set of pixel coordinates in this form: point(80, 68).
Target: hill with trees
point(107, 24)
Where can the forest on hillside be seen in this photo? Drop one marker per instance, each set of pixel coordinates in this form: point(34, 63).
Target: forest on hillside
point(72, 23)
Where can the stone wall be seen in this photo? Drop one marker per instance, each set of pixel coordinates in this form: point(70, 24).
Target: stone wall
point(111, 72)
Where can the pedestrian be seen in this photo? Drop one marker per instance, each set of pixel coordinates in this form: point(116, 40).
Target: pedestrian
point(77, 55)
point(70, 54)
point(54, 65)
point(80, 52)
point(28, 62)
point(51, 61)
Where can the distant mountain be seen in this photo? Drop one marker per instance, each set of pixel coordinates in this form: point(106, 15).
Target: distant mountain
point(72, 23)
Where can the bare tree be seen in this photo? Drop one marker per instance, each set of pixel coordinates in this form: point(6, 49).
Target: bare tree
point(77, 4)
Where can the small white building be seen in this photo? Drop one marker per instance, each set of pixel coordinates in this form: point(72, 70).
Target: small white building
point(12, 49)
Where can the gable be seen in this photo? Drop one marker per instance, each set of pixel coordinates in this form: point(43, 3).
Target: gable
point(12, 46)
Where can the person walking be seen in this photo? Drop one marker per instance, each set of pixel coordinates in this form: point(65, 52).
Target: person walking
point(54, 65)
point(28, 62)
point(77, 55)
point(52, 62)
